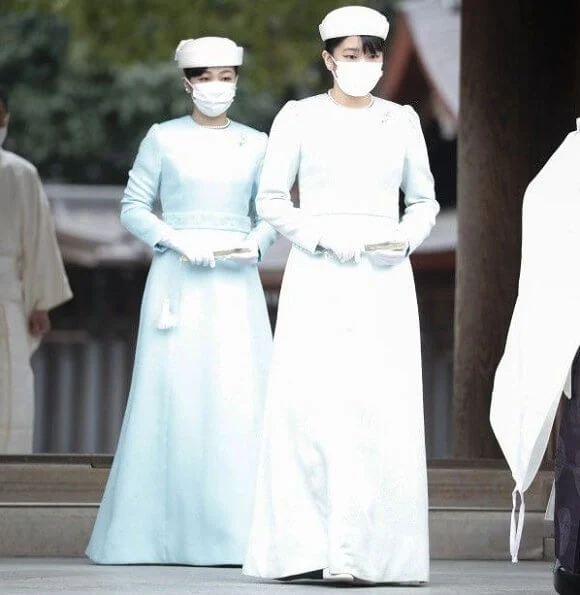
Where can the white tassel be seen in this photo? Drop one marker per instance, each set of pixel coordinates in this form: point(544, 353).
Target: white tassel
point(550, 509)
point(167, 319)
point(516, 529)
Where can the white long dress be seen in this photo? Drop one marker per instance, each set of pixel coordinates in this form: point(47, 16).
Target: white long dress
point(32, 277)
point(342, 481)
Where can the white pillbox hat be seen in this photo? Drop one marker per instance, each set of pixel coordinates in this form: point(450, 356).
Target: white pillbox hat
point(353, 20)
point(208, 51)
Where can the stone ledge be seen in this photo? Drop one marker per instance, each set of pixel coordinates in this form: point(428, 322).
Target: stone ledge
point(50, 483)
point(81, 479)
point(64, 530)
point(48, 506)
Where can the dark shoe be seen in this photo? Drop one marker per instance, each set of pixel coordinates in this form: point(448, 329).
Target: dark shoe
point(312, 575)
point(565, 582)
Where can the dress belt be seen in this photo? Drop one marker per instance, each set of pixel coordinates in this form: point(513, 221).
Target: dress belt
point(370, 228)
point(207, 220)
point(356, 214)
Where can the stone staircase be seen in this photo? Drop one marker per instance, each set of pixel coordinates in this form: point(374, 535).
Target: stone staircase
point(48, 505)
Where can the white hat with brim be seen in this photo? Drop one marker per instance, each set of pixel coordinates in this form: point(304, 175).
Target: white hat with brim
point(206, 52)
point(353, 20)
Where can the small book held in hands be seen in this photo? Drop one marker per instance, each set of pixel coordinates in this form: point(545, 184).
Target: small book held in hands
point(229, 252)
point(222, 254)
point(391, 246)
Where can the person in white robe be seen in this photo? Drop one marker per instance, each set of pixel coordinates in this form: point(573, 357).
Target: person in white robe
point(342, 483)
point(542, 342)
point(32, 282)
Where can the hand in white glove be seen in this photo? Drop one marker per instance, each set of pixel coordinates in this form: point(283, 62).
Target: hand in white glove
point(386, 258)
point(344, 248)
point(390, 256)
point(196, 252)
point(249, 253)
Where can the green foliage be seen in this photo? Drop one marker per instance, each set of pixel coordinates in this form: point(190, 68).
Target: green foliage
point(42, 54)
point(88, 77)
point(279, 36)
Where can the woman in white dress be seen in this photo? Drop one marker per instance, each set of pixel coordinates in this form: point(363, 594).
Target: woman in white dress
point(342, 482)
point(181, 486)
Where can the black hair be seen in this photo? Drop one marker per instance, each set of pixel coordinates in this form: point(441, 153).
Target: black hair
point(4, 98)
point(371, 45)
point(198, 71)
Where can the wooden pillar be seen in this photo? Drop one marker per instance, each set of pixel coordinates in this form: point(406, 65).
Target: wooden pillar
point(578, 59)
point(518, 78)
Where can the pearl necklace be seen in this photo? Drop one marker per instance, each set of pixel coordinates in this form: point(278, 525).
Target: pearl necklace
point(371, 101)
point(216, 127)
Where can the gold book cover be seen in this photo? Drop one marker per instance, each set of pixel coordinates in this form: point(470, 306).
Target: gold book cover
point(392, 246)
point(222, 254)
point(229, 252)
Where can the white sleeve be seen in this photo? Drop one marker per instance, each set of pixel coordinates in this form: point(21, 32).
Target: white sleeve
point(262, 232)
point(281, 165)
point(45, 283)
point(421, 208)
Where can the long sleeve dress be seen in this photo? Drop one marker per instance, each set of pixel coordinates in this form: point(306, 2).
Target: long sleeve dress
point(342, 480)
point(181, 485)
point(32, 277)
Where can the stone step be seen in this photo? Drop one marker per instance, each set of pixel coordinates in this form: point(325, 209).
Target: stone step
point(48, 506)
point(81, 479)
point(63, 530)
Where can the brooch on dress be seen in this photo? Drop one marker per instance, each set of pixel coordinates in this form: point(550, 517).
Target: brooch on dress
point(385, 117)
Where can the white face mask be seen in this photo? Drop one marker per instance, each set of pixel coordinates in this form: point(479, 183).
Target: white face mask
point(213, 98)
point(3, 133)
point(357, 79)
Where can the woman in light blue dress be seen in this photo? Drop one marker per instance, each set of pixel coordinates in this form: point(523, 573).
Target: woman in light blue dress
point(181, 486)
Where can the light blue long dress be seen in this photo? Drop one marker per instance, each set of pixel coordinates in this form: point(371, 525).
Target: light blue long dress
point(181, 486)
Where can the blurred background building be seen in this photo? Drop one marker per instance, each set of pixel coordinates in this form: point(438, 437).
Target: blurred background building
point(85, 85)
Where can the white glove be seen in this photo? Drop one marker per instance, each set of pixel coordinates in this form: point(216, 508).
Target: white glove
point(196, 252)
point(344, 248)
point(250, 254)
point(386, 258)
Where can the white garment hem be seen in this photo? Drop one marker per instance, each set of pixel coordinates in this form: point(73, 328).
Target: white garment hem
point(297, 568)
point(136, 560)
